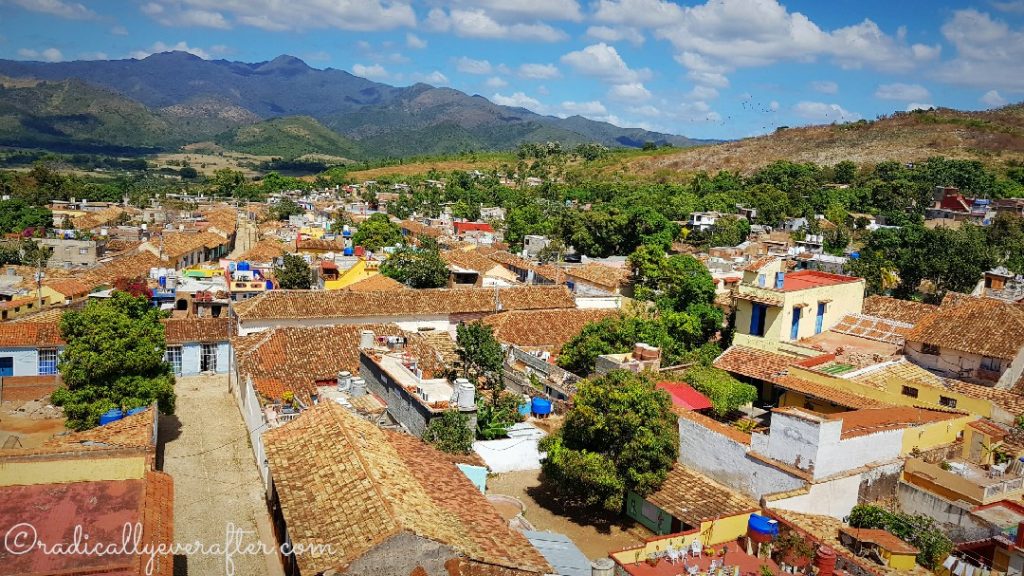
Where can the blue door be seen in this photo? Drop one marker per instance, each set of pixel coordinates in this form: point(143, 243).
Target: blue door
point(757, 320)
point(795, 329)
point(6, 366)
point(820, 319)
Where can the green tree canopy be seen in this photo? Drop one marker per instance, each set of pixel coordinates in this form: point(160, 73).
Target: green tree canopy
point(726, 393)
point(620, 434)
point(478, 350)
point(285, 209)
point(920, 531)
point(376, 232)
point(294, 273)
point(17, 215)
point(114, 358)
point(450, 433)
point(416, 267)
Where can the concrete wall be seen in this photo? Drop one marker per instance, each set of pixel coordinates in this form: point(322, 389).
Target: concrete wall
point(403, 554)
point(726, 461)
point(69, 253)
point(404, 407)
point(834, 498)
point(814, 444)
point(843, 299)
point(954, 517)
point(191, 357)
point(964, 365)
point(26, 360)
point(252, 413)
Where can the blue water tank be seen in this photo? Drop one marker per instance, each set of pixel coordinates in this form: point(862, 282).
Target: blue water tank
point(243, 266)
point(763, 525)
point(348, 252)
point(109, 416)
point(231, 266)
point(135, 411)
point(346, 233)
point(855, 255)
point(524, 408)
point(163, 281)
point(270, 285)
point(541, 406)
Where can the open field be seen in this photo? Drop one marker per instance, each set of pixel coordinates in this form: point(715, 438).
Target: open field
point(207, 161)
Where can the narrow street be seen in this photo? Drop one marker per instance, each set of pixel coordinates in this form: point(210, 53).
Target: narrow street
point(245, 237)
point(216, 484)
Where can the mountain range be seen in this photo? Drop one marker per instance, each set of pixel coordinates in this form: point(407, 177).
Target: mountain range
point(282, 107)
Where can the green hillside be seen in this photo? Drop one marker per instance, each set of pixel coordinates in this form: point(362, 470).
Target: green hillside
point(288, 137)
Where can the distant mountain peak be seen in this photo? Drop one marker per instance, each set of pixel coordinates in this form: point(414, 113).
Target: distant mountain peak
point(172, 55)
point(284, 63)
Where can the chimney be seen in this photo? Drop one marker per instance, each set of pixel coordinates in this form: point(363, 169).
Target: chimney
point(825, 561)
point(1019, 540)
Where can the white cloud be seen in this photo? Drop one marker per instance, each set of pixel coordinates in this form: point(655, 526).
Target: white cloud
point(44, 55)
point(702, 93)
point(495, 82)
point(993, 99)
point(825, 86)
point(645, 110)
point(1011, 6)
point(919, 106)
point(989, 53)
point(592, 108)
point(435, 78)
point(186, 17)
point(119, 31)
point(152, 8)
point(298, 15)
point(162, 47)
point(713, 79)
point(901, 91)
point(372, 71)
point(471, 66)
point(93, 56)
point(524, 10)
point(538, 71)
point(479, 24)
point(630, 92)
point(822, 112)
point(603, 62)
point(69, 10)
point(616, 34)
point(744, 33)
point(415, 42)
point(518, 100)
point(773, 106)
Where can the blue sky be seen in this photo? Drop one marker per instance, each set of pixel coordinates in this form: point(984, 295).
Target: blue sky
point(714, 69)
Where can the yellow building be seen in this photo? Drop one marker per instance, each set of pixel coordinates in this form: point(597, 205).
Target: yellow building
point(894, 553)
point(773, 306)
point(362, 270)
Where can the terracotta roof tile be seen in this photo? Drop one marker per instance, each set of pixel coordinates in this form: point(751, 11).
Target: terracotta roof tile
point(543, 328)
point(873, 328)
point(223, 218)
point(319, 244)
point(344, 482)
point(694, 498)
point(191, 329)
point(135, 431)
point(982, 326)
point(882, 538)
point(872, 420)
point(753, 363)
point(905, 311)
point(98, 218)
point(69, 287)
point(1009, 400)
point(759, 263)
point(48, 315)
point(418, 229)
point(377, 283)
point(469, 260)
point(266, 250)
point(600, 275)
point(282, 304)
point(879, 377)
point(30, 334)
point(827, 393)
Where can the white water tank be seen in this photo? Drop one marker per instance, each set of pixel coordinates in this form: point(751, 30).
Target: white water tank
point(466, 394)
point(602, 567)
point(357, 387)
point(366, 339)
point(344, 380)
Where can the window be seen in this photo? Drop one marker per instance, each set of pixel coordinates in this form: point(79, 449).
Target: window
point(208, 360)
point(173, 356)
point(47, 362)
point(757, 319)
point(760, 280)
point(991, 364)
point(910, 391)
point(947, 401)
point(83, 251)
point(794, 330)
point(931, 349)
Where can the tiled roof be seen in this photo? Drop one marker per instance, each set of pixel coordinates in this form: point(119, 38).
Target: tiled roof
point(282, 304)
point(45, 315)
point(178, 244)
point(417, 229)
point(882, 538)
point(345, 482)
point(982, 326)
point(296, 359)
point(758, 264)
point(753, 363)
point(98, 218)
point(223, 218)
point(597, 274)
point(30, 334)
point(318, 244)
point(510, 260)
point(827, 393)
point(127, 266)
point(872, 420)
point(377, 283)
point(872, 328)
point(952, 298)
point(902, 370)
point(543, 328)
point(895, 309)
point(135, 431)
point(694, 498)
point(468, 260)
point(265, 250)
point(183, 330)
point(69, 287)
point(1010, 400)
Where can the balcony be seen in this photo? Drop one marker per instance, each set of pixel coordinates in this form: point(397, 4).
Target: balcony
point(759, 294)
point(964, 481)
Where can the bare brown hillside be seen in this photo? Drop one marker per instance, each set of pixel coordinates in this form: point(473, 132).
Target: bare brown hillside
point(991, 136)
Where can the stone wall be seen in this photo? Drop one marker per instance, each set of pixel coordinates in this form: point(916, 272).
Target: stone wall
point(954, 517)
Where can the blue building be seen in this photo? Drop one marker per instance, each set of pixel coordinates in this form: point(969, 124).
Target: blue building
point(196, 345)
point(29, 348)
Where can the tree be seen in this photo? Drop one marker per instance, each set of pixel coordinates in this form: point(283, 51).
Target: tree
point(285, 209)
point(845, 172)
point(416, 267)
point(188, 173)
point(726, 393)
point(294, 273)
point(450, 433)
point(17, 215)
point(619, 435)
point(376, 232)
point(114, 358)
point(478, 350)
point(920, 531)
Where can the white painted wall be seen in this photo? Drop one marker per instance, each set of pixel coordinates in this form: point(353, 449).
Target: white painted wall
point(834, 498)
point(599, 302)
point(26, 360)
point(814, 443)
